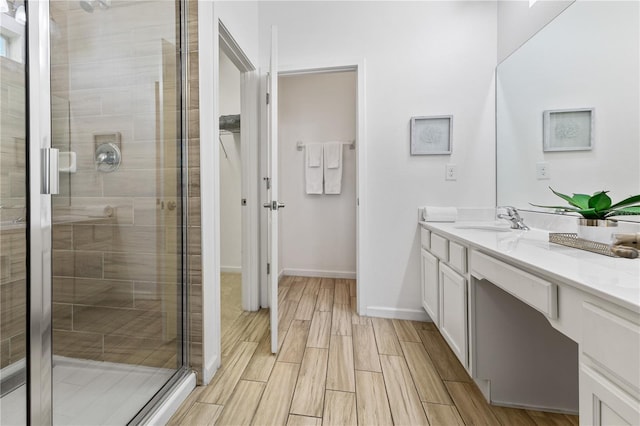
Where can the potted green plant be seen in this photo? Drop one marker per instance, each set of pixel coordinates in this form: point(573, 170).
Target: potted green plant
point(596, 211)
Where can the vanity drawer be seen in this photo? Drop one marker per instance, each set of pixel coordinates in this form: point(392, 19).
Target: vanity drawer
point(535, 292)
point(458, 257)
point(425, 238)
point(612, 341)
point(440, 247)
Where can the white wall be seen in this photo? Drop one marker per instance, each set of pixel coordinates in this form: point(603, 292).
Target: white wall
point(422, 58)
point(241, 19)
point(318, 232)
point(230, 171)
point(517, 22)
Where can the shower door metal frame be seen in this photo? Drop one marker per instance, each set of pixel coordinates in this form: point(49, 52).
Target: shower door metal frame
point(147, 412)
point(38, 107)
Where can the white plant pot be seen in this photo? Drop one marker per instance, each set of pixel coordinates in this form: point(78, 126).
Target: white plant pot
point(600, 231)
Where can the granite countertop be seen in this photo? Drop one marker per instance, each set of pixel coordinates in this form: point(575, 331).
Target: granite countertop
point(614, 279)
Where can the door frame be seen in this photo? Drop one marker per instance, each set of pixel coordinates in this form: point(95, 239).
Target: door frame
point(248, 159)
point(211, 38)
point(356, 65)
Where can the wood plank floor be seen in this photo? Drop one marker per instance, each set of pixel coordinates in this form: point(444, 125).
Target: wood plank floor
point(337, 368)
point(230, 299)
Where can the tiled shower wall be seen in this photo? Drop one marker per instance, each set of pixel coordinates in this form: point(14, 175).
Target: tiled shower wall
point(12, 236)
point(12, 296)
point(116, 279)
point(195, 251)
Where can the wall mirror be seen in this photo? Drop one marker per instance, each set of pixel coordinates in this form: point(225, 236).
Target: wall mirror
point(588, 57)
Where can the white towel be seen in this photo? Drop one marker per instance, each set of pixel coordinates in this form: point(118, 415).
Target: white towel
point(313, 168)
point(438, 214)
point(314, 155)
point(333, 155)
point(332, 167)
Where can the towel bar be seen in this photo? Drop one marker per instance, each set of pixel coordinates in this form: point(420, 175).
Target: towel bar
point(352, 145)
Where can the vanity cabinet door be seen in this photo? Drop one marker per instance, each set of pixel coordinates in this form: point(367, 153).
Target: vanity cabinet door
point(429, 265)
point(453, 311)
point(602, 403)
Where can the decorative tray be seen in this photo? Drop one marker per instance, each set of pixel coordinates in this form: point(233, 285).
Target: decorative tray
point(572, 240)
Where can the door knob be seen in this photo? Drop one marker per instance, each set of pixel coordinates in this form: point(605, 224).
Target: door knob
point(274, 205)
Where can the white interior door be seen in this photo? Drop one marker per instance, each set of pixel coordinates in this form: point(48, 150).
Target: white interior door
point(272, 195)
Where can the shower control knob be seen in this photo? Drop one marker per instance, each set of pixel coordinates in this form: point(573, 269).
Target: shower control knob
point(108, 157)
point(171, 205)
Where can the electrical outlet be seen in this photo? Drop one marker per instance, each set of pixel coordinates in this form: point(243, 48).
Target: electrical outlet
point(451, 172)
point(542, 170)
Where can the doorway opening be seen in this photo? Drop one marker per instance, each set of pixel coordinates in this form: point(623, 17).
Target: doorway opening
point(312, 122)
point(237, 177)
point(318, 126)
point(230, 154)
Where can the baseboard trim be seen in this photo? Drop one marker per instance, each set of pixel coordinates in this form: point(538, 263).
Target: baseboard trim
point(320, 274)
point(536, 408)
point(396, 313)
point(231, 269)
point(209, 369)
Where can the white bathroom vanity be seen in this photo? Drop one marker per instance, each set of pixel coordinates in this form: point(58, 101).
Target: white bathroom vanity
point(537, 325)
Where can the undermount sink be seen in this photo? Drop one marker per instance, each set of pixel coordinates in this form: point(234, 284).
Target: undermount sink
point(486, 226)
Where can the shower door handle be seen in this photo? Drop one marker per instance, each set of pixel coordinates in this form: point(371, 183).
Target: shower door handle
point(50, 183)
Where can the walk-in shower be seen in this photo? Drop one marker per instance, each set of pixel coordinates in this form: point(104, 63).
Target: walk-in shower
point(103, 321)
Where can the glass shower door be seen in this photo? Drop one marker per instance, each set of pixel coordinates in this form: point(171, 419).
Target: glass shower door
point(117, 222)
point(13, 202)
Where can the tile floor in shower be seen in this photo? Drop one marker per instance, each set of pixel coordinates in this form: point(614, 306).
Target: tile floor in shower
point(91, 393)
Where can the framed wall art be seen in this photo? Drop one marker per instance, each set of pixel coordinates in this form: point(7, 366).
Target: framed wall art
point(431, 135)
point(568, 129)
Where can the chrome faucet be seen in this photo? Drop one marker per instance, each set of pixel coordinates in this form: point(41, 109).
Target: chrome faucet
point(513, 216)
